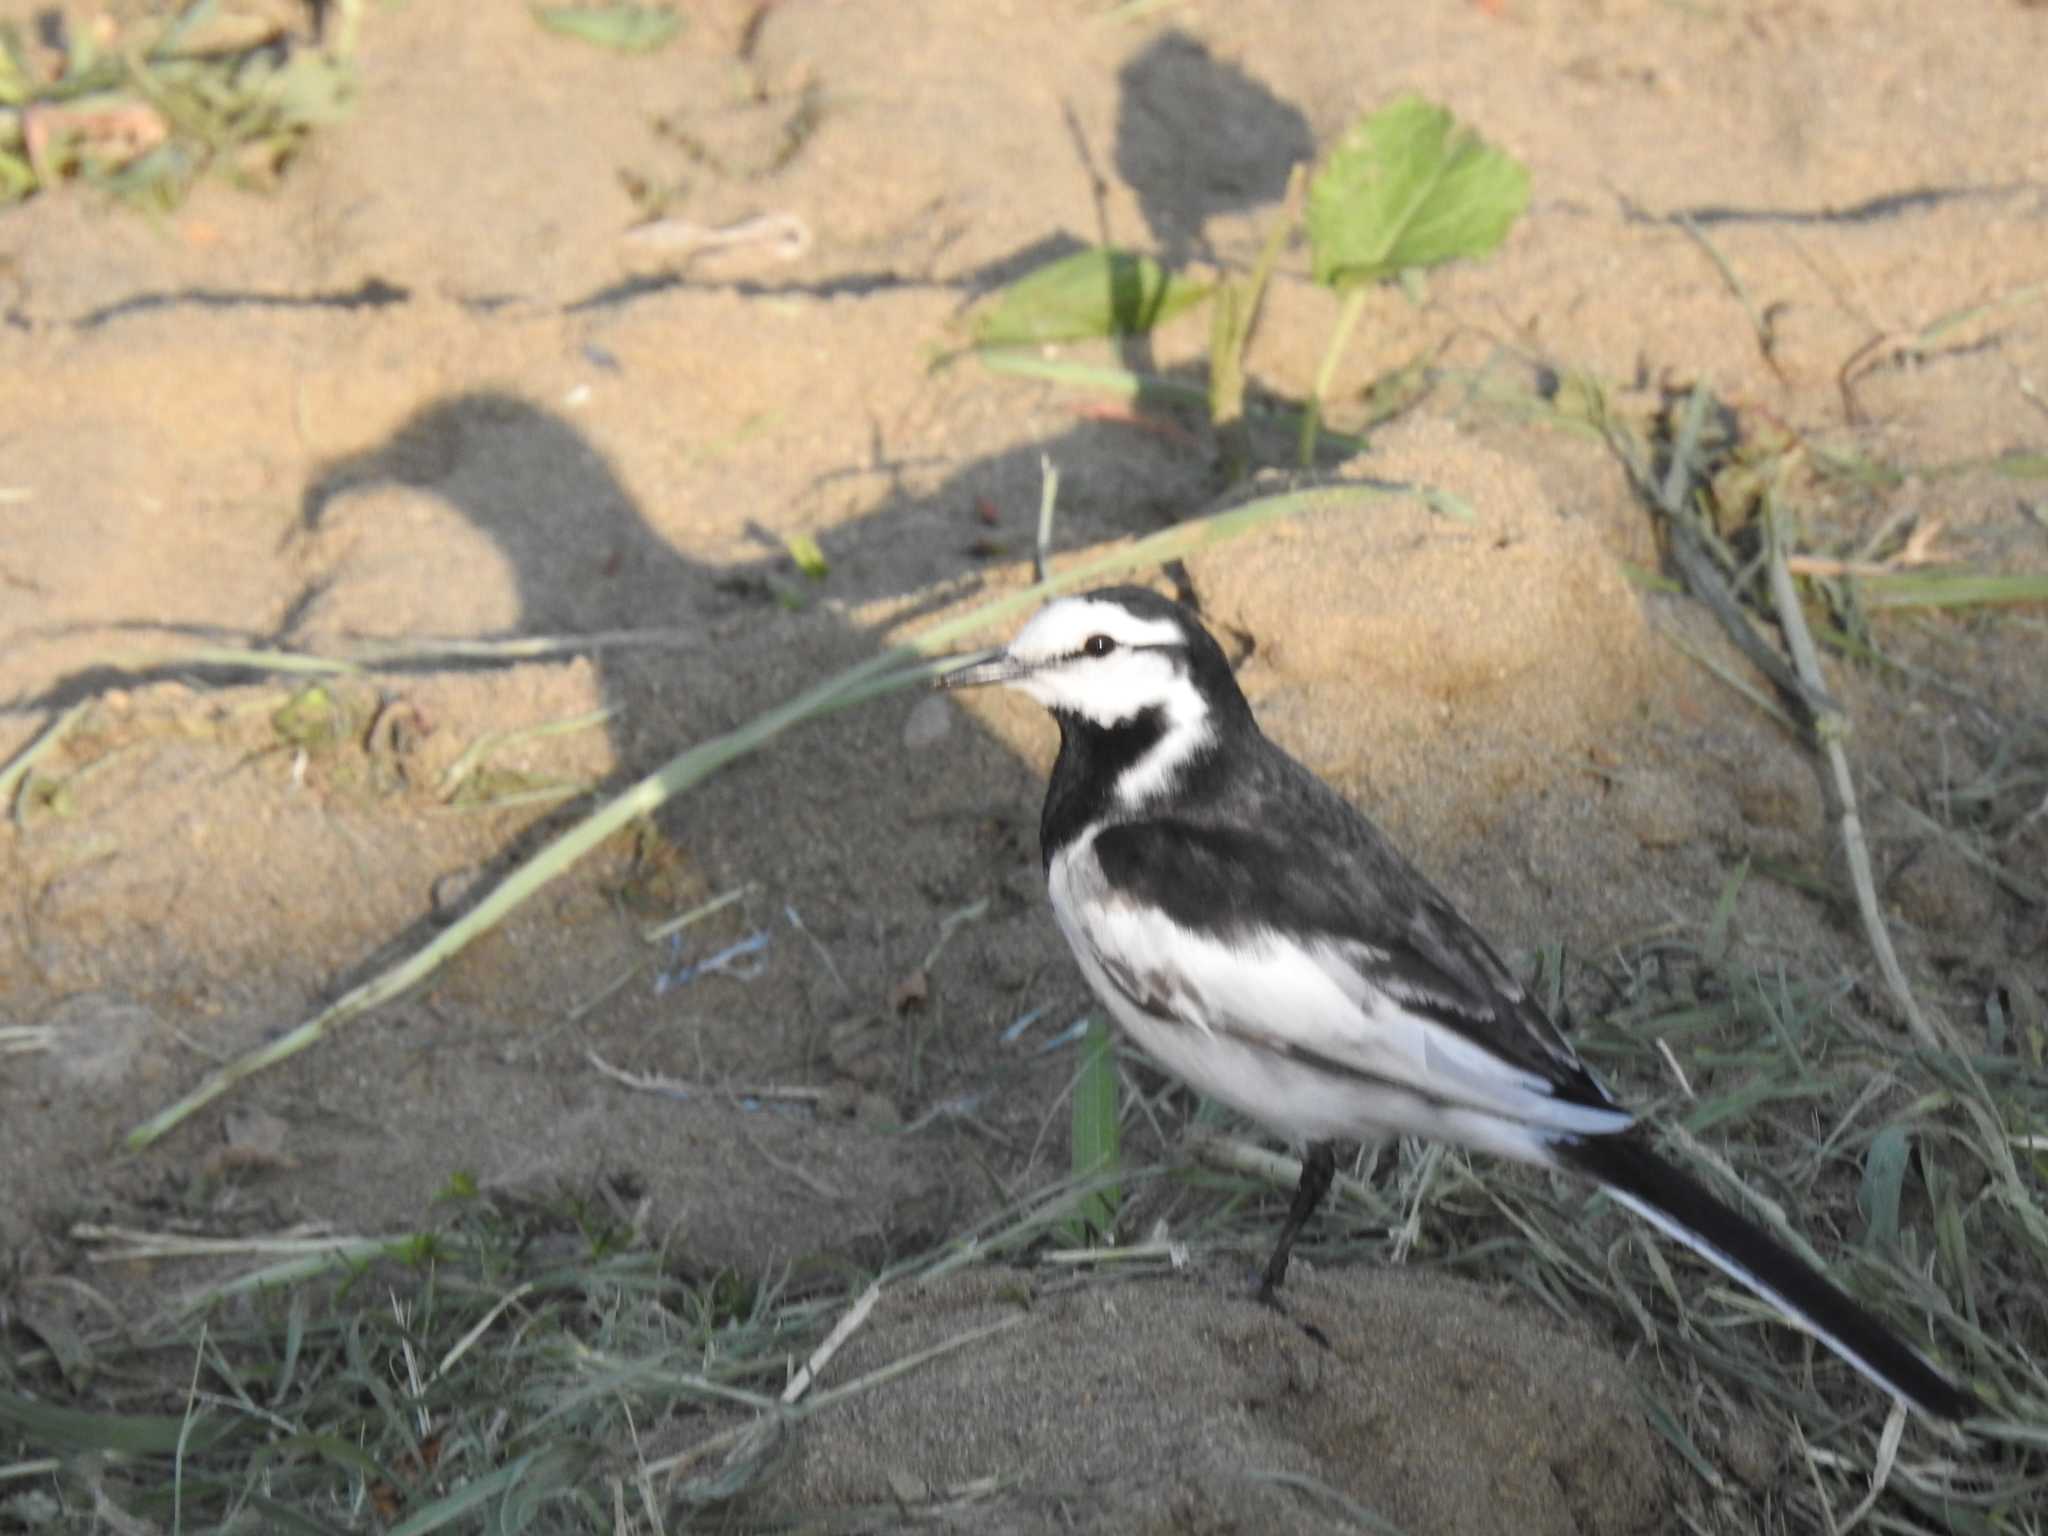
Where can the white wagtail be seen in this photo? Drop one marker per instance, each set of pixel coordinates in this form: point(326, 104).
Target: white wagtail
point(1266, 944)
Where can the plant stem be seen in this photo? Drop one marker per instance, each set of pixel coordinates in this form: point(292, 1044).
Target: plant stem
point(1340, 338)
point(1234, 319)
point(1830, 726)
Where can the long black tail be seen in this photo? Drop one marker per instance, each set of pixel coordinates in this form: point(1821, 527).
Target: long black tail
point(1681, 1207)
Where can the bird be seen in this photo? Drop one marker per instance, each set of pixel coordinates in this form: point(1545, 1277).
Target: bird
point(1261, 940)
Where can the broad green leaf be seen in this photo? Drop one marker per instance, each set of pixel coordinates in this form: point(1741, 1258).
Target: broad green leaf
point(1409, 186)
point(1096, 292)
point(1884, 1172)
point(1096, 1134)
point(627, 28)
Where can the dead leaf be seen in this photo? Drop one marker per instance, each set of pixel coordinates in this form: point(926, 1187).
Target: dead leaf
point(913, 991)
point(255, 1140)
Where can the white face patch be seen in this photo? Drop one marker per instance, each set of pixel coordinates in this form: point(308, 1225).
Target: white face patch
point(1143, 669)
point(1133, 676)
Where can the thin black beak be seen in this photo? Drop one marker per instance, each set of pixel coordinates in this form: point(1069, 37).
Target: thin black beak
point(979, 671)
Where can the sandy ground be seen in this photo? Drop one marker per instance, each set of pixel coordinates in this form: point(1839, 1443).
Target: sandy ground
point(428, 389)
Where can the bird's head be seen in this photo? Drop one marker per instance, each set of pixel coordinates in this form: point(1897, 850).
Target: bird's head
point(1110, 656)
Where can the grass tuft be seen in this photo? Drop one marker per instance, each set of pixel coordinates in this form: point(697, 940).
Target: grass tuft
point(144, 109)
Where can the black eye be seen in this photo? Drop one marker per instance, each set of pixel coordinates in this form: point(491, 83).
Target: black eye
point(1097, 645)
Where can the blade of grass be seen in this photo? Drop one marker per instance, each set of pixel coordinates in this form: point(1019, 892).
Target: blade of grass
point(1096, 1133)
point(1235, 318)
point(1048, 499)
point(16, 771)
point(1950, 589)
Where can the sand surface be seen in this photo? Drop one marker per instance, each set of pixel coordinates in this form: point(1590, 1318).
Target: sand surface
point(429, 388)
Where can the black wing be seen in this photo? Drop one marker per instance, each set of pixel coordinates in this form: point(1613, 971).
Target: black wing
point(1279, 849)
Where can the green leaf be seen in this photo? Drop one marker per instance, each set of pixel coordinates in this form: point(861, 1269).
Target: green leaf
point(1408, 187)
point(1096, 292)
point(1884, 1172)
point(626, 28)
point(1096, 1134)
point(461, 1185)
point(312, 719)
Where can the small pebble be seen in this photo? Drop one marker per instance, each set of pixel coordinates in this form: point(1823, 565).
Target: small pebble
point(930, 719)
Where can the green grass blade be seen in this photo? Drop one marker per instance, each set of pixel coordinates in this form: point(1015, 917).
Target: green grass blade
point(622, 28)
point(1096, 1135)
point(1951, 589)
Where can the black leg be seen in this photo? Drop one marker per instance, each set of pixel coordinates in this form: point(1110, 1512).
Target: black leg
point(1317, 1170)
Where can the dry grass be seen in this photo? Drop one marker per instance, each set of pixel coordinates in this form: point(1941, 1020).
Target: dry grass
point(548, 1365)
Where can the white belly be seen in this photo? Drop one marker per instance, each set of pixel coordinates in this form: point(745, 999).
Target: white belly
point(1235, 1012)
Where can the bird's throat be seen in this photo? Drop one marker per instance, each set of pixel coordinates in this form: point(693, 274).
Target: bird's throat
point(1094, 760)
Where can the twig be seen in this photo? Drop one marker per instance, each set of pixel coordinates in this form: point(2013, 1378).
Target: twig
point(479, 751)
point(697, 914)
point(1765, 342)
point(483, 1324)
point(1918, 551)
point(1672, 497)
point(683, 1088)
point(1671, 1061)
point(1881, 1473)
point(1174, 1251)
point(843, 1330)
point(16, 772)
point(1282, 1172)
point(1830, 727)
point(295, 1242)
point(784, 235)
point(911, 1362)
point(797, 1171)
point(825, 955)
point(189, 1417)
point(1048, 495)
point(951, 924)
